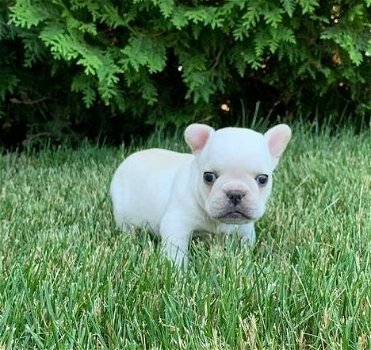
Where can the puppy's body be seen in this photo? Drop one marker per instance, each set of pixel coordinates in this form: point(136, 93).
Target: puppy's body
point(142, 186)
point(217, 189)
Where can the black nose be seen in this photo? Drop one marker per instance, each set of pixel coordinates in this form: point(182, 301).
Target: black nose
point(235, 196)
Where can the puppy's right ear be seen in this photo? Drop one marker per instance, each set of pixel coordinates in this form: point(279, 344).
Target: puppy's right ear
point(196, 136)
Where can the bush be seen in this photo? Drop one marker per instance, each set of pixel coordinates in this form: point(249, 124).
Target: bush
point(77, 63)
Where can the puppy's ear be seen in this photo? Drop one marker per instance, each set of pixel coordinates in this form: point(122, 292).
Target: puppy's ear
point(196, 136)
point(277, 139)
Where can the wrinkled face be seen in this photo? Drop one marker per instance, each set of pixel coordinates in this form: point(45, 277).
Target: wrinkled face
point(235, 175)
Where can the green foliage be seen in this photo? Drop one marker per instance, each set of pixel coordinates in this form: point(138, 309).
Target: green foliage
point(148, 59)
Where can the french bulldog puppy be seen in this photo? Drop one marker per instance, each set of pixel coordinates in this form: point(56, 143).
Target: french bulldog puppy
point(222, 187)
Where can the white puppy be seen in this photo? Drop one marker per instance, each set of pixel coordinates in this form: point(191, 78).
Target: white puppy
point(222, 187)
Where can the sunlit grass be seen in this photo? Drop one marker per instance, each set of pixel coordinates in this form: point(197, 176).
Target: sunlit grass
point(70, 280)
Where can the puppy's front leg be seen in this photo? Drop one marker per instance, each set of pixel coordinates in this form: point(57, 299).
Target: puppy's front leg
point(247, 233)
point(175, 234)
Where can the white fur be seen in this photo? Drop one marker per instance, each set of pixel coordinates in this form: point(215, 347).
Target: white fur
point(166, 190)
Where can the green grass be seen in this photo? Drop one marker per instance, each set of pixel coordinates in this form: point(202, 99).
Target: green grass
point(70, 280)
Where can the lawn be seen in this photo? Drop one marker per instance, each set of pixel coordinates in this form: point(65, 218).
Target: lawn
point(70, 280)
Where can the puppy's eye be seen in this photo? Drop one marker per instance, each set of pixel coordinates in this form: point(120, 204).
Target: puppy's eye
point(262, 179)
point(209, 177)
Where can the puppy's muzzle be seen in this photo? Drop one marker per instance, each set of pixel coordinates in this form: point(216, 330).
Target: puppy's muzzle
point(234, 211)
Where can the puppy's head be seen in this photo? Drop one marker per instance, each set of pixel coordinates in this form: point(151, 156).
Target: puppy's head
point(234, 169)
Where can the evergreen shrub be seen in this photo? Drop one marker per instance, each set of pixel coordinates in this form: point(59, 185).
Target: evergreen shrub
point(69, 66)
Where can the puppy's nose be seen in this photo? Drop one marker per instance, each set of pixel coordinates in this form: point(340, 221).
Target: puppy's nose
point(235, 196)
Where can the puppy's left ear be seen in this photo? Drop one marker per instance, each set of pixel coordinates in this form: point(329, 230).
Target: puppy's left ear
point(277, 139)
point(196, 136)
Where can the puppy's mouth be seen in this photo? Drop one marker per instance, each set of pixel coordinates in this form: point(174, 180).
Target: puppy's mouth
point(233, 217)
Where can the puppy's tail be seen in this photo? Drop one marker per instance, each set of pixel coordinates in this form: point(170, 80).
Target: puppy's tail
point(117, 197)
